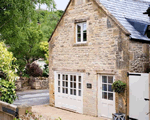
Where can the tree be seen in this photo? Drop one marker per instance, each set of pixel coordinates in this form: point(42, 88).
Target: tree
point(27, 49)
point(14, 15)
point(19, 29)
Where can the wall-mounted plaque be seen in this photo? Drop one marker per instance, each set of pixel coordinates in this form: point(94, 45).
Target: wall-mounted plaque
point(89, 85)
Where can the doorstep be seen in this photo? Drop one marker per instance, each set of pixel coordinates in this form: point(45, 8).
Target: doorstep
point(55, 113)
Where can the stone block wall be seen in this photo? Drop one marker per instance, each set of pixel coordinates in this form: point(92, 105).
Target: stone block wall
point(139, 57)
point(39, 83)
point(32, 83)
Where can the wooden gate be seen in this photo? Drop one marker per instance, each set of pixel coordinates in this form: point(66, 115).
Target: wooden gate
point(139, 96)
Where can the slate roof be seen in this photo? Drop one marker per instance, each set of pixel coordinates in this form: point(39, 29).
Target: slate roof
point(130, 14)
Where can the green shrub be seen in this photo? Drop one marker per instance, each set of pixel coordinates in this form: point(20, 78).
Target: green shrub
point(8, 93)
point(119, 86)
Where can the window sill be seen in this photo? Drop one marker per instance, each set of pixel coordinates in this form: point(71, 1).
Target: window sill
point(80, 44)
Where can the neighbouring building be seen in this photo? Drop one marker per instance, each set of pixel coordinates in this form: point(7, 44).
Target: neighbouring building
point(95, 43)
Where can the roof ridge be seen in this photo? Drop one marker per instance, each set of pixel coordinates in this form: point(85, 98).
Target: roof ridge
point(141, 1)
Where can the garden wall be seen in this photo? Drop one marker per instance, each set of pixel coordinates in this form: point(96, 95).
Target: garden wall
point(9, 111)
point(32, 83)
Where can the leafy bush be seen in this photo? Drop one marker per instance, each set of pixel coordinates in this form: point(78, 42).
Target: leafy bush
point(6, 62)
point(7, 89)
point(35, 70)
point(119, 86)
point(45, 71)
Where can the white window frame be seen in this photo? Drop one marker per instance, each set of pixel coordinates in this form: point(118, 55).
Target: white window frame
point(81, 32)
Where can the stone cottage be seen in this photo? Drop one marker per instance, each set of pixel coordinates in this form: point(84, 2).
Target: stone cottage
point(95, 43)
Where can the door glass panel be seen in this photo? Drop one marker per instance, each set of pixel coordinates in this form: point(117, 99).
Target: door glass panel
point(66, 90)
point(63, 84)
point(58, 76)
point(66, 77)
point(74, 78)
point(79, 92)
point(70, 77)
point(71, 85)
point(110, 88)
point(58, 83)
point(63, 77)
point(110, 79)
point(63, 90)
point(74, 85)
point(104, 87)
point(104, 79)
point(66, 84)
point(79, 78)
point(58, 89)
point(71, 92)
point(74, 92)
point(79, 85)
point(104, 95)
point(110, 96)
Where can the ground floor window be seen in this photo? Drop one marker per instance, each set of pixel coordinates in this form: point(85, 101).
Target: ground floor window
point(70, 84)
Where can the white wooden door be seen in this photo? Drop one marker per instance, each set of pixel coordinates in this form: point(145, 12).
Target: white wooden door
point(138, 91)
point(106, 96)
point(69, 91)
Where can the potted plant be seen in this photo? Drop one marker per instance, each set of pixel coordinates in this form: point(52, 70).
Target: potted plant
point(119, 87)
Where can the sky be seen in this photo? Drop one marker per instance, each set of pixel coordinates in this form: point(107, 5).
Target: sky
point(61, 4)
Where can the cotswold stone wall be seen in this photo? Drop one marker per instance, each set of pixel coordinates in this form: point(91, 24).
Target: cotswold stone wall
point(139, 57)
point(32, 83)
point(106, 51)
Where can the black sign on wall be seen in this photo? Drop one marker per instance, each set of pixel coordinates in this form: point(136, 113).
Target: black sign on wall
point(89, 85)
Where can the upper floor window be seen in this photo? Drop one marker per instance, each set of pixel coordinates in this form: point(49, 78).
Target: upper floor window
point(81, 32)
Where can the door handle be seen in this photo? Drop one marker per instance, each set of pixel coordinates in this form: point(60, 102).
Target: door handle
point(146, 99)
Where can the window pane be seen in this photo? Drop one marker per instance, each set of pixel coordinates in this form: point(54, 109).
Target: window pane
point(63, 90)
point(63, 77)
point(66, 77)
point(79, 78)
point(110, 88)
point(104, 95)
point(84, 37)
point(58, 76)
point(104, 87)
point(110, 96)
point(66, 84)
point(70, 77)
point(58, 89)
point(74, 85)
point(79, 38)
point(63, 83)
point(79, 92)
point(84, 27)
point(58, 83)
point(66, 90)
point(104, 79)
point(74, 78)
point(71, 84)
point(74, 92)
point(71, 92)
point(79, 85)
point(78, 28)
point(110, 79)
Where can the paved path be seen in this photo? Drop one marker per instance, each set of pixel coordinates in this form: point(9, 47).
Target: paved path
point(32, 97)
point(55, 113)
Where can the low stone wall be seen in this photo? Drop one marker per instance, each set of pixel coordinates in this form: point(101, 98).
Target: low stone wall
point(39, 83)
point(32, 83)
point(9, 111)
